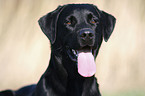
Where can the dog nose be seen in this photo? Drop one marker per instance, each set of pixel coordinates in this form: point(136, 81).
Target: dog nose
point(87, 34)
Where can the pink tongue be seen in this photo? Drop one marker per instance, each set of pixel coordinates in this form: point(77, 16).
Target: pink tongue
point(86, 64)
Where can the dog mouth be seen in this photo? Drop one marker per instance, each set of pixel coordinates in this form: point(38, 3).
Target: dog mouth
point(73, 54)
point(85, 59)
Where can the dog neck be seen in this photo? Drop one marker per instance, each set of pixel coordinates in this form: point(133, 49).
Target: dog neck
point(65, 82)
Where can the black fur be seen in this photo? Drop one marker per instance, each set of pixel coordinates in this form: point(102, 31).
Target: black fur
point(70, 27)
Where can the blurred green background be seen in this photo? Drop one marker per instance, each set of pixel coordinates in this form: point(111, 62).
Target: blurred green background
point(25, 50)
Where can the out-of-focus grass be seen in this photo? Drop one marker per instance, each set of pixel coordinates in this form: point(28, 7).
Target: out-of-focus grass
point(125, 93)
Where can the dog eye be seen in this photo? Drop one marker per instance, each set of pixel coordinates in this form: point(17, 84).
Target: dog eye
point(71, 21)
point(68, 23)
point(94, 21)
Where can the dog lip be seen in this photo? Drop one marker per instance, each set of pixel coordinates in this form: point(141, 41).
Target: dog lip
point(85, 49)
point(73, 53)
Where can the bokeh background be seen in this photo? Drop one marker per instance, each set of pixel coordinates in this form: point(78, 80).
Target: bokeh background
point(25, 50)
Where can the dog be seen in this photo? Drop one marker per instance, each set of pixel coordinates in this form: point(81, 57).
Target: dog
point(76, 32)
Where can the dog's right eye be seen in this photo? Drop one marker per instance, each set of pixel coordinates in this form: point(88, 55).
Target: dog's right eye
point(68, 22)
point(71, 21)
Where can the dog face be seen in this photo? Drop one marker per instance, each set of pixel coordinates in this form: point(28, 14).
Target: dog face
point(81, 29)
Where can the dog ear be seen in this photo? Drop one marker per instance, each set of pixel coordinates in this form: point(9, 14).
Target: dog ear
point(108, 22)
point(48, 24)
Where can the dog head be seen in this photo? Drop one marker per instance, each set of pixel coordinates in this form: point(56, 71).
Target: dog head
point(81, 29)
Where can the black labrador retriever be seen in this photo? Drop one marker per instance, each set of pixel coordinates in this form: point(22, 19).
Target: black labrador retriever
point(76, 32)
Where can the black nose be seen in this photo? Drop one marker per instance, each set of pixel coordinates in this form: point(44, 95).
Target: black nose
point(87, 34)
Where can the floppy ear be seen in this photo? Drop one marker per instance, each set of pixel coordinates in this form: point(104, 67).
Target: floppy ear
point(48, 24)
point(108, 22)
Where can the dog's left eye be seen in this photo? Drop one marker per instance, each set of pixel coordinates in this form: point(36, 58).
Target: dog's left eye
point(92, 19)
